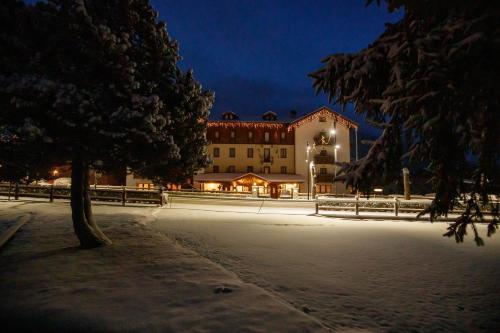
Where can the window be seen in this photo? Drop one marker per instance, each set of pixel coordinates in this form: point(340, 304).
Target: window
point(216, 152)
point(267, 169)
point(216, 134)
point(231, 168)
point(283, 169)
point(322, 171)
point(323, 153)
point(322, 119)
point(267, 155)
point(250, 152)
point(249, 168)
point(283, 135)
point(216, 169)
point(266, 136)
point(232, 152)
point(250, 134)
point(233, 134)
point(145, 185)
point(283, 152)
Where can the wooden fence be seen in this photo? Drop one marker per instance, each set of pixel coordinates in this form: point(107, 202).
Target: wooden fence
point(123, 194)
point(394, 205)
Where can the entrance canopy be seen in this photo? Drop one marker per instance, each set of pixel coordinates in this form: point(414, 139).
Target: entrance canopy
point(249, 178)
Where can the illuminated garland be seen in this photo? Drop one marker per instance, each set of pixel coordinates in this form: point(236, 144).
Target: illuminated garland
point(245, 124)
point(315, 115)
point(323, 113)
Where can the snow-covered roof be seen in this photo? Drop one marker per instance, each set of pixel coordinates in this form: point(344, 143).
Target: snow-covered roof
point(268, 177)
point(323, 111)
point(319, 112)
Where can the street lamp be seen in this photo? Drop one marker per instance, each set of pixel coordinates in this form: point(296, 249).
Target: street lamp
point(311, 172)
point(308, 150)
point(335, 148)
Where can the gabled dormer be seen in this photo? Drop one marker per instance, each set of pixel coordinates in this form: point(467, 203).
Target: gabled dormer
point(270, 116)
point(230, 115)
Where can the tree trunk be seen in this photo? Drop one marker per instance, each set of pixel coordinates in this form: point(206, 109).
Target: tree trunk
point(87, 206)
point(88, 234)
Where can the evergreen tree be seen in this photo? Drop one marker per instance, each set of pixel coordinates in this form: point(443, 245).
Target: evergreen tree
point(97, 82)
point(430, 82)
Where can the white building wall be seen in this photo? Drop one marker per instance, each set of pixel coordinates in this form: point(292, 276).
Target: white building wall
point(306, 133)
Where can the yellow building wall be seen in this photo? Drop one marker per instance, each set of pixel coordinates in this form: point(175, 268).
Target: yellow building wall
point(241, 161)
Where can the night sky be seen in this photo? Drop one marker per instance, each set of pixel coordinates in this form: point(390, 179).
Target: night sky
point(255, 55)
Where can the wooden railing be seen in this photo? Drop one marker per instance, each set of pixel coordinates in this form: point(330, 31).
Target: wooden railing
point(324, 159)
point(394, 205)
point(111, 194)
point(324, 177)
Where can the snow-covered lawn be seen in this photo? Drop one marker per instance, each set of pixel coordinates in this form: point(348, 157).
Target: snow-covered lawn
point(144, 282)
point(371, 275)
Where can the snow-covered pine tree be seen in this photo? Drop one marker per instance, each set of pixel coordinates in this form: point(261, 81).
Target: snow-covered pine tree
point(430, 82)
point(98, 83)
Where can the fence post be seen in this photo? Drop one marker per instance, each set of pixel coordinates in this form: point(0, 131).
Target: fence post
point(124, 195)
point(396, 206)
point(10, 187)
point(356, 205)
point(51, 195)
point(16, 192)
point(317, 207)
point(161, 196)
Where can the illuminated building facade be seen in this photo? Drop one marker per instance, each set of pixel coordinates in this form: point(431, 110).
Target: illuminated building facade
point(276, 157)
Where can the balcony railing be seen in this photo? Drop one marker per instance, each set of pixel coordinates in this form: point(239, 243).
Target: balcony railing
point(324, 159)
point(324, 177)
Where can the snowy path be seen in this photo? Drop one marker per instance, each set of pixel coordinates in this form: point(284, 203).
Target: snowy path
point(144, 282)
point(368, 275)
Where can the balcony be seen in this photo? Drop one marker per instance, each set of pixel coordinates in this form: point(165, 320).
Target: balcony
point(324, 177)
point(267, 160)
point(324, 159)
point(322, 139)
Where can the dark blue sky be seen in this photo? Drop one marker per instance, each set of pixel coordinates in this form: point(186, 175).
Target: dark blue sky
point(256, 55)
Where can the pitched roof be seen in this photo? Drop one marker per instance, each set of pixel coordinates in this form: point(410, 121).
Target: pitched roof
point(323, 111)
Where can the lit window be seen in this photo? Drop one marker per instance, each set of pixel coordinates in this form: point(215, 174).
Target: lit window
point(283, 135)
point(266, 137)
point(216, 134)
point(233, 134)
point(250, 134)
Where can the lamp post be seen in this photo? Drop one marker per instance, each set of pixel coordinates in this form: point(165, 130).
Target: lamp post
point(335, 148)
point(311, 172)
point(308, 150)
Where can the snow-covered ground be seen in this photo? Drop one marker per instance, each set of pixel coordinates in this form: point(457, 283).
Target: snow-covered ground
point(144, 282)
point(370, 275)
point(351, 275)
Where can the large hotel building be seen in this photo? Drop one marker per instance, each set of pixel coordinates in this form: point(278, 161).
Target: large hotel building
point(277, 158)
